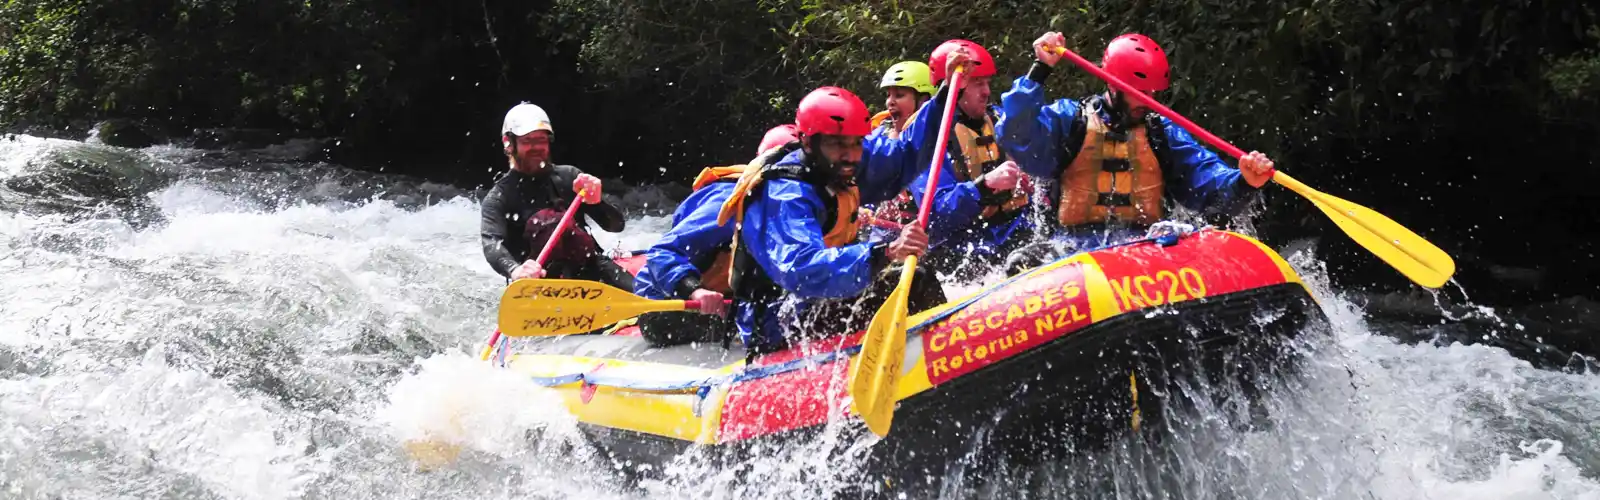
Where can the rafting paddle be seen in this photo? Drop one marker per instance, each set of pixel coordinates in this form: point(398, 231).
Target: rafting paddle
point(1416, 258)
point(540, 307)
point(561, 227)
point(876, 372)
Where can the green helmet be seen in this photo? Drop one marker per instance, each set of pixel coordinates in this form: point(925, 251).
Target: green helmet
point(909, 74)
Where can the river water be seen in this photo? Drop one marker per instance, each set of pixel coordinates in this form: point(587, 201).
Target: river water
point(178, 323)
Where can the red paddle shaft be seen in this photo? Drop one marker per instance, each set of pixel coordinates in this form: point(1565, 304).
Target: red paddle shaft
point(938, 152)
point(561, 228)
point(1150, 101)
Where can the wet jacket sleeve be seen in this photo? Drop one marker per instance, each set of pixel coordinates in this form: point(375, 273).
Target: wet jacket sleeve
point(669, 264)
point(492, 233)
point(783, 233)
point(889, 165)
point(1031, 131)
point(1199, 179)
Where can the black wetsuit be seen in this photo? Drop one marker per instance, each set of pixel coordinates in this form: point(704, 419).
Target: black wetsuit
point(517, 197)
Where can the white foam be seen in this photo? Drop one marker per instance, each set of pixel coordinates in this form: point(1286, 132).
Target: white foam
point(150, 416)
point(289, 345)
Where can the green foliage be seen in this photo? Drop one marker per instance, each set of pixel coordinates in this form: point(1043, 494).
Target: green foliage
point(1275, 74)
point(1575, 81)
point(220, 63)
point(699, 81)
point(709, 62)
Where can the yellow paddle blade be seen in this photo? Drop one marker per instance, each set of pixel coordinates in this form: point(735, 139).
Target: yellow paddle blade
point(430, 454)
point(535, 307)
point(876, 372)
point(1413, 256)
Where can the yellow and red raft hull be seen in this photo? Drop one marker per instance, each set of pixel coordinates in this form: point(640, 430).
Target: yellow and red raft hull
point(1090, 321)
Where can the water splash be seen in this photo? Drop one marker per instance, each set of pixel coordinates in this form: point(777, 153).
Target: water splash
point(281, 328)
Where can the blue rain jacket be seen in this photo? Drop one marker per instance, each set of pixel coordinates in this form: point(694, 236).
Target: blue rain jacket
point(954, 219)
point(693, 240)
point(783, 223)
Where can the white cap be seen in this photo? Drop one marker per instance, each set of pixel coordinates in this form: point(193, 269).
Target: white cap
point(525, 118)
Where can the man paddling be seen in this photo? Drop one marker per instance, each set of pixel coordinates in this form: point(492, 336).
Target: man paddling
point(979, 203)
point(522, 210)
point(692, 260)
point(1115, 162)
point(798, 266)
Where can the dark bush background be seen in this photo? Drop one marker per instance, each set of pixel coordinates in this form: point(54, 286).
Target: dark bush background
point(1473, 122)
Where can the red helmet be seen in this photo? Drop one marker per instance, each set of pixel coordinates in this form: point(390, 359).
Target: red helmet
point(1137, 60)
point(832, 111)
point(778, 136)
point(982, 64)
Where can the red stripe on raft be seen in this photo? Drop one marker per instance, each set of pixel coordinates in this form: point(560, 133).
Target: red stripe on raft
point(793, 400)
point(1206, 264)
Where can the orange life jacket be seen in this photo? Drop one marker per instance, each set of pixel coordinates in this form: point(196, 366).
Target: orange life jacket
point(709, 175)
point(899, 210)
point(980, 153)
point(1111, 180)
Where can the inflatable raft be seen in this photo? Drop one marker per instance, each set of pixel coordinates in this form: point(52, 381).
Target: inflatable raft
point(1065, 351)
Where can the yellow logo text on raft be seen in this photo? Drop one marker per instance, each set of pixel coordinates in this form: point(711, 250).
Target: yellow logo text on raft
point(1006, 322)
point(1157, 288)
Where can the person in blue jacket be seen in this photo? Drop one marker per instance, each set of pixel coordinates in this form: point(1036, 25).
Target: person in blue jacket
point(799, 269)
point(1115, 162)
point(691, 261)
point(980, 201)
